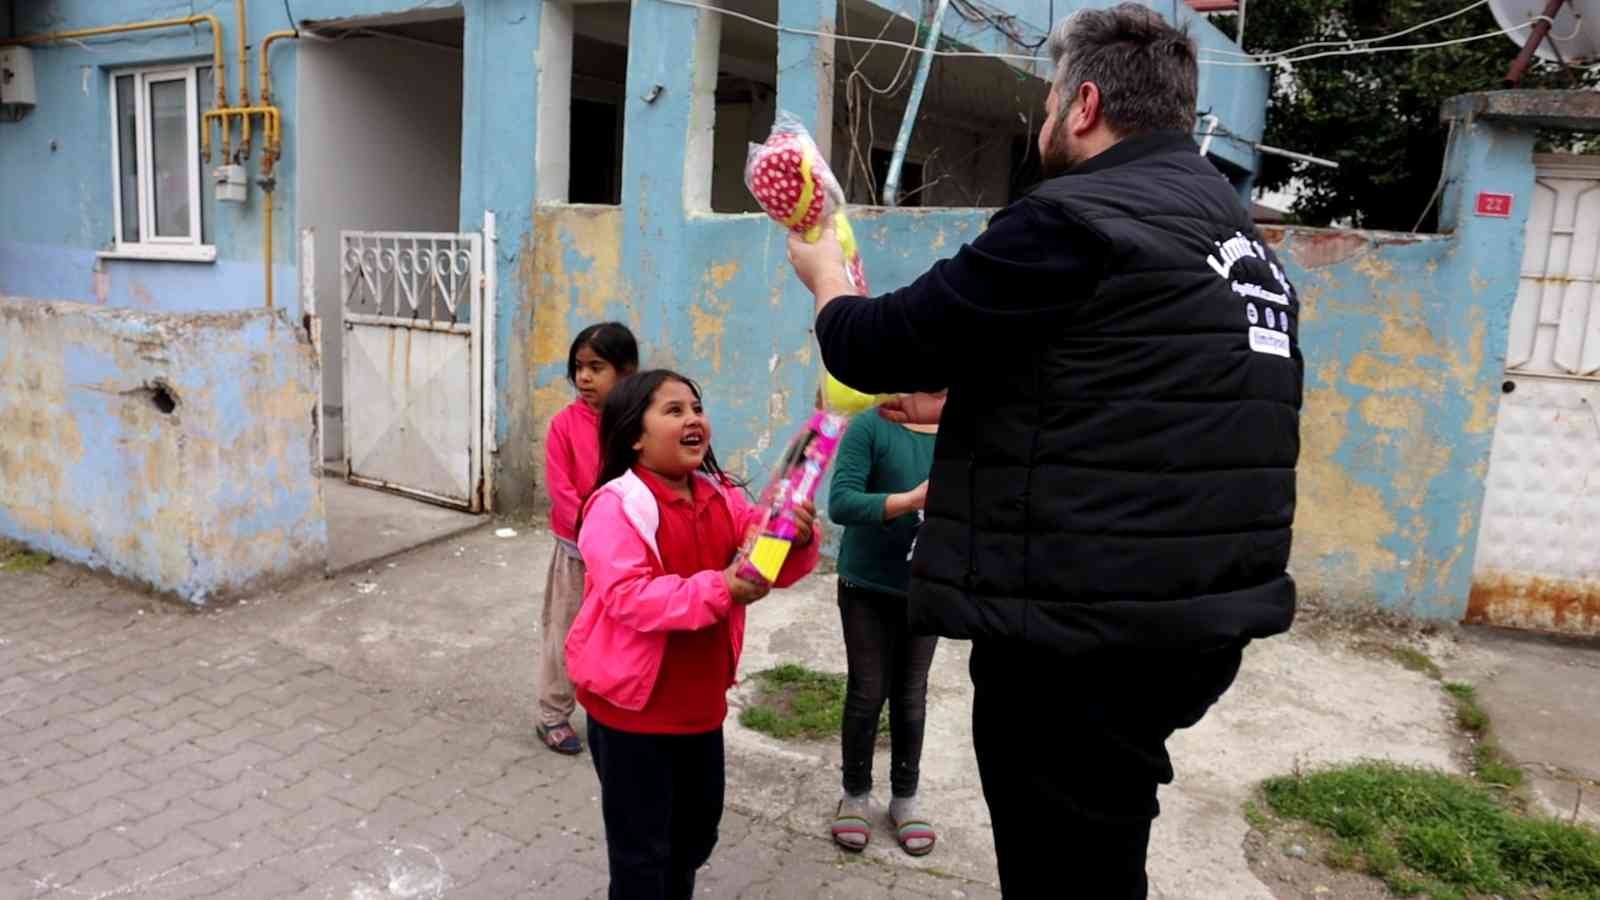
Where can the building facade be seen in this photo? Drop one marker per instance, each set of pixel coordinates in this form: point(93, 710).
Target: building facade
point(240, 250)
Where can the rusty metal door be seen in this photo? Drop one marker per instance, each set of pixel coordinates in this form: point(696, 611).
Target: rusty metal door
point(1538, 560)
point(413, 364)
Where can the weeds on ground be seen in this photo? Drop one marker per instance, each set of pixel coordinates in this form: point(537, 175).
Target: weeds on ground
point(17, 558)
point(1488, 762)
point(795, 702)
point(1416, 661)
point(1422, 831)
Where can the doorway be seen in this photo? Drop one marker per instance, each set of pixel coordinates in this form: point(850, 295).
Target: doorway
point(379, 138)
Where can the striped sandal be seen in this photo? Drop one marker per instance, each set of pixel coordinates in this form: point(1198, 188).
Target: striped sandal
point(915, 830)
point(850, 832)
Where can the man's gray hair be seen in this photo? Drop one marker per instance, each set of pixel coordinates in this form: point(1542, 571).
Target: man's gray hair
point(1145, 68)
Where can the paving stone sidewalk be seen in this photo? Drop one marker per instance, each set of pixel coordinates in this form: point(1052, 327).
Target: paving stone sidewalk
point(146, 751)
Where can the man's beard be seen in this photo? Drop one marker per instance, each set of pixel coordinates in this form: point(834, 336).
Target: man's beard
point(1058, 155)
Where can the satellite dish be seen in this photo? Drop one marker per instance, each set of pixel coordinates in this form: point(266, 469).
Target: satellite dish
point(1575, 32)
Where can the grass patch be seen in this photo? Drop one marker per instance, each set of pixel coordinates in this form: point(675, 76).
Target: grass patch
point(1416, 661)
point(1426, 832)
point(1488, 762)
point(1492, 768)
point(1256, 817)
point(1469, 715)
point(793, 702)
point(17, 558)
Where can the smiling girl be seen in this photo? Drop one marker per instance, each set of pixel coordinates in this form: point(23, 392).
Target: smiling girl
point(656, 645)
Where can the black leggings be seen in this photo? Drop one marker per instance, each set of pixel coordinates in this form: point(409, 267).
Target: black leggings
point(887, 662)
point(661, 799)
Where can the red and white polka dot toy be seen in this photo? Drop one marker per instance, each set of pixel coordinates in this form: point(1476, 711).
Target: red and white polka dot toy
point(792, 182)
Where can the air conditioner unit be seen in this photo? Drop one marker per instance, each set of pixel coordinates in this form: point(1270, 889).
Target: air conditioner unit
point(18, 91)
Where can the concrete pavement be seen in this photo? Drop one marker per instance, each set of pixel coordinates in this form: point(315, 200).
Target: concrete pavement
point(1543, 697)
point(146, 751)
point(369, 736)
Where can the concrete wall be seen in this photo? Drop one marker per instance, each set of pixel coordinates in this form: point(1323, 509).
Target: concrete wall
point(1405, 341)
point(380, 150)
point(666, 257)
point(1399, 410)
point(208, 496)
point(1404, 337)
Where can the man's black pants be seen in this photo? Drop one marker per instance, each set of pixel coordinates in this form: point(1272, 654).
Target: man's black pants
point(661, 797)
point(1071, 751)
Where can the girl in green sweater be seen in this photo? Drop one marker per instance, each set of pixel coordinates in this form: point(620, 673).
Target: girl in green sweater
point(880, 483)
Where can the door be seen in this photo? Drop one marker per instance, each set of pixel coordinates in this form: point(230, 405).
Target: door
point(1538, 560)
point(414, 364)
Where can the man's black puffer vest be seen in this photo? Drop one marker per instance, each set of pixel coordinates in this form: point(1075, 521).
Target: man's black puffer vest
point(1128, 481)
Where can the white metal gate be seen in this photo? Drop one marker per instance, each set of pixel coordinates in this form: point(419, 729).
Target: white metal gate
point(414, 364)
point(1538, 560)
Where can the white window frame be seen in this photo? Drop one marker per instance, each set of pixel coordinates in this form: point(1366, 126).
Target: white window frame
point(189, 248)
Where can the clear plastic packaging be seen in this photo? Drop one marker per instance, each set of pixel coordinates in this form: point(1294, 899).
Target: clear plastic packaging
point(795, 186)
point(794, 483)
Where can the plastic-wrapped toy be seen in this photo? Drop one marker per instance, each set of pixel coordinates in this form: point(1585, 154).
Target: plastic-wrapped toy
point(794, 483)
point(794, 184)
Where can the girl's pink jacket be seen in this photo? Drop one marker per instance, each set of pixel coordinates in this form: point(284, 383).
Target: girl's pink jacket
point(631, 605)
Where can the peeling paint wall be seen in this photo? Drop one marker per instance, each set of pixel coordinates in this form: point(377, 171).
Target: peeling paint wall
point(1404, 337)
point(1397, 421)
point(177, 451)
point(1405, 341)
point(735, 327)
point(225, 491)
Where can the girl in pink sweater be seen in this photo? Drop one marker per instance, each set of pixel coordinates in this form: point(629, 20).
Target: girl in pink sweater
point(656, 646)
point(601, 356)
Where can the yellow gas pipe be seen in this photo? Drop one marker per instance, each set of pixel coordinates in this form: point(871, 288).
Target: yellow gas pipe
point(244, 79)
point(272, 149)
point(219, 64)
point(274, 135)
point(264, 81)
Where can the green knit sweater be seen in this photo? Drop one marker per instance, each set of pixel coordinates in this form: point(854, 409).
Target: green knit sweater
point(877, 458)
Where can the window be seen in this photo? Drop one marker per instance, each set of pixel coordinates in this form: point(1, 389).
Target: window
point(596, 174)
point(599, 86)
point(155, 157)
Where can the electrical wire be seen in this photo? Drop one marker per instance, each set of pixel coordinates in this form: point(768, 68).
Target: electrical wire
point(1254, 63)
point(1444, 170)
point(850, 38)
point(1369, 50)
point(293, 22)
point(1372, 40)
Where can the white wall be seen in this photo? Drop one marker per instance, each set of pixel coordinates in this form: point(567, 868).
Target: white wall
point(379, 149)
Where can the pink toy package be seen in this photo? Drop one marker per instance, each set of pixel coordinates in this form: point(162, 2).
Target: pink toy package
point(794, 483)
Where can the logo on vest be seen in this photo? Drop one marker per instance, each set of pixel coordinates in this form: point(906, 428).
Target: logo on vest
point(1239, 247)
point(1263, 340)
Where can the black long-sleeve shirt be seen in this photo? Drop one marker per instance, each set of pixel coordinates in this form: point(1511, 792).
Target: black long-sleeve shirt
point(1015, 279)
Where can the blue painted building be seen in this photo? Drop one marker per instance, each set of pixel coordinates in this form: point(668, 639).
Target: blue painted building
point(433, 198)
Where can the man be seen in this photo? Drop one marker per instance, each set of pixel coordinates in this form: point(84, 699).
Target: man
point(1113, 487)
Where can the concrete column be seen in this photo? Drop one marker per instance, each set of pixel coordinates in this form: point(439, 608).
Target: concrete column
point(553, 161)
point(666, 48)
point(498, 150)
point(664, 70)
point(806, 68)
point(1493, 156)
point(699, 148)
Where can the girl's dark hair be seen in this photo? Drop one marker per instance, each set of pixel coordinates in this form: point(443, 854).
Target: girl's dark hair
point(611, 341)
point(622, 422)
